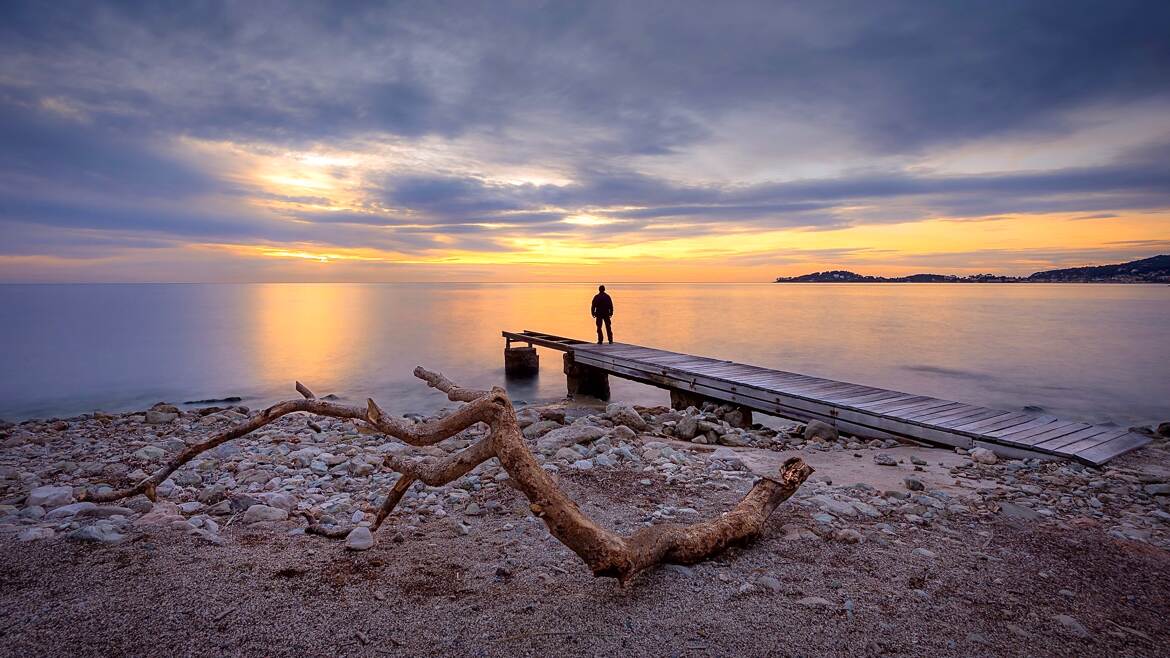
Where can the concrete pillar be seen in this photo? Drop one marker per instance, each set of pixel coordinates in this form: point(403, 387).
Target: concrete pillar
point(521, 362)
point(585, 380)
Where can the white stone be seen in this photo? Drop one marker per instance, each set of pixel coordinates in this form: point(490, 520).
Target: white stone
point(259, 513)
point(359, 539)
point(983, 456)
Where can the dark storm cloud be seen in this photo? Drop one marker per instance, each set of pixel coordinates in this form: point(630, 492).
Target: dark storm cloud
point(92, 93)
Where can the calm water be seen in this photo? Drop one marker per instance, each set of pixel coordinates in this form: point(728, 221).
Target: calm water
point(1089, 352)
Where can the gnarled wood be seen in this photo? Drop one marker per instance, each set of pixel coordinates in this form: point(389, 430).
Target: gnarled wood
point(605, 552)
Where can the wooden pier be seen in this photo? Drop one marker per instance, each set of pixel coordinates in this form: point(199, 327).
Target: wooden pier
point(862, 411)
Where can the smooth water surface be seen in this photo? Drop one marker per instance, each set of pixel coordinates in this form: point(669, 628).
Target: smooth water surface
point(1086, 352)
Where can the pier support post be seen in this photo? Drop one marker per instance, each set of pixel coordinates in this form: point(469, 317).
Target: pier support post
point(521, 362)
point(585, 380)
point(737, 417)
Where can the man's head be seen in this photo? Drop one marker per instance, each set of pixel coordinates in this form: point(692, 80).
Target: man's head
point(601, 288)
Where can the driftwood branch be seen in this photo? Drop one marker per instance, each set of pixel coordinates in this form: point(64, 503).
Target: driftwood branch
point(605, 552)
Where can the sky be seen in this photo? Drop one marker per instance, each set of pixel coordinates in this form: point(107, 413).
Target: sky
point(563, 141)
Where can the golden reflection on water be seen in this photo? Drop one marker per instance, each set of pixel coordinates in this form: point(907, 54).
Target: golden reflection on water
point(307, 332)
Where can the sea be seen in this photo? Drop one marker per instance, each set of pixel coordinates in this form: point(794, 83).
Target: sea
point(1093, 352)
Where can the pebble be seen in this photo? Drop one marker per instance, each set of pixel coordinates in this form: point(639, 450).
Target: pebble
point(914, 484)
point(924, 552)
point(1072, 626)
point(882, 459)
point(814, 602)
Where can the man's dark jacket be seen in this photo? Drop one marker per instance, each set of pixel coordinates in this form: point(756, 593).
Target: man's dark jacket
point(602, 306)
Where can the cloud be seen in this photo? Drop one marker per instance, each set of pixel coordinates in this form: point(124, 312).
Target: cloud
point(478, 126)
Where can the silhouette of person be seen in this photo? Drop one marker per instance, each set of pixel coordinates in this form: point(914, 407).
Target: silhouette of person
point(602, 311)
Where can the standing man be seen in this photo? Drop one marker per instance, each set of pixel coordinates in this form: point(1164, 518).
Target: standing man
point(602, 311)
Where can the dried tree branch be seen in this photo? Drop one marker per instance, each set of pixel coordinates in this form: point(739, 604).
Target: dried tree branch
point(605, 552)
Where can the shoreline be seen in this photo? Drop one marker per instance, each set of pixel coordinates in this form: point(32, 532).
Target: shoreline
point(898, 545)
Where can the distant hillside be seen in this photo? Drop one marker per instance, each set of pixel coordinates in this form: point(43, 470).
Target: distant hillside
point(1148, 270)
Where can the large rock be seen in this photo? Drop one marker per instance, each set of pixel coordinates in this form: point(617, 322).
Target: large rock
point(161, 514)
point(103, 533)
point(624, 414)
point(687, 428)
point(540, 428)
point(69, 510)
point(1164, 429)
point(49, 497)
point(567, 436)
point(359, 539)
point(261, 513)
point(816, 430)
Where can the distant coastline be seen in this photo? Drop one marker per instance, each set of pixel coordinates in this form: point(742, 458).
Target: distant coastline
point(1155, 269)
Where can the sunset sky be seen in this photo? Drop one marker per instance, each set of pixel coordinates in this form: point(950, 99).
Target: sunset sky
point(624, 141)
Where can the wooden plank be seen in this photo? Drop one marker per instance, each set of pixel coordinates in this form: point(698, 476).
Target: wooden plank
point(1099, 454)
point(1040, 420)
point(1089, 442)
point(986, 414)
point(1023, 435)
point(1055, 433)
point(1017, 417)
point(961, 411)
point(918, 415)
point(908, 406)
point(904, 399)
point(1089, 434)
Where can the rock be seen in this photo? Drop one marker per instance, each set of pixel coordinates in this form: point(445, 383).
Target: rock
point(568, 436)
point(260, 513)
point(1159, 489)
point(104, 512)
point(836, 507)
point(150, 453)
point(737, 418)
point(917, 461)
point(567, 454)
point(1072, 626)
point(849, 536)
point(69, 510)
point(882, 459)
point(104, 533)
point(770, 583)
point(1013, 511)
point(35, 534)
point(814, 602)
point(161, 514)
point(540, 428)
point(155, 417)
point(49, 497)
point(624, 414)
point(914, 484)
point(359, 539)
point(816, 430)
point(923, 552)
point(1164, 429)
point(734, 440)
point(623, 433)
point(583, 465)
point(983, 456)
point(687, 428)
